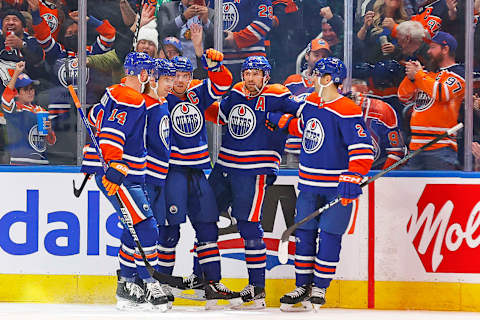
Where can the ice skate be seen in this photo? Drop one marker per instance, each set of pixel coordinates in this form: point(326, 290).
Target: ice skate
point(130, 295)
point(297, 300)
point(155, 297)
point(317, 298)
point(253, 298)
point(168, 292)
point(216, 291)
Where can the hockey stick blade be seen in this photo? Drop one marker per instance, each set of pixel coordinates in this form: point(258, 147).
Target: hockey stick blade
point(178, 287)
point(78, 192)
point(283, 248)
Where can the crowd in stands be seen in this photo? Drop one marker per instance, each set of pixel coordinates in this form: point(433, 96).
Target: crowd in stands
point(395, 42)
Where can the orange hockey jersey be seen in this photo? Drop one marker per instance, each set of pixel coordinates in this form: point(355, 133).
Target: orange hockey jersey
point(437, 99)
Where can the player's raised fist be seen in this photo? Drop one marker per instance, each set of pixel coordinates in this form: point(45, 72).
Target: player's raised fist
point(212, 60)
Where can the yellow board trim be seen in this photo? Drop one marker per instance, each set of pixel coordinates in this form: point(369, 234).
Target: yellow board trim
point(341, 293)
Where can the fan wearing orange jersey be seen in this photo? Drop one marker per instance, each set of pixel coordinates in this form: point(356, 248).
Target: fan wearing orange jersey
point(437, 95)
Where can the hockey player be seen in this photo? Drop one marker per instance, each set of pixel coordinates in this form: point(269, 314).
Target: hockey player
point(382, 123)
point(186, 188)
point(158, 142)
point(120, 121)
point(248, 163)
point(301, 85)
point(336, 154)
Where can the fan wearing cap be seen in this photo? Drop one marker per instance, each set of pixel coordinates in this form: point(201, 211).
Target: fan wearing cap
point(26, 143)
point(437, 95)
point(301, 85)
point(15, 43)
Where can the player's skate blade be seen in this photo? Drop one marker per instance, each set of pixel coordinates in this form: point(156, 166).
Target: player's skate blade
point(253, 298)
point(304, 306)
point(317, 298)
point(128, 305)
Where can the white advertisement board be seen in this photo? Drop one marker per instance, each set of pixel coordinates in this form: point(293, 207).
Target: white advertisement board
point(44, 229)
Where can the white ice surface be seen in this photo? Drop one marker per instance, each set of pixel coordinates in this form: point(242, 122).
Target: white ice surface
point(106, 312)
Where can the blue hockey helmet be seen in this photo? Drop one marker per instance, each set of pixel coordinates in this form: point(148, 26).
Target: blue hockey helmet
point(135, 62)
point(163, 67)
point(387, 73)
point(182, 64)
point(332, 66)
point(257, 63)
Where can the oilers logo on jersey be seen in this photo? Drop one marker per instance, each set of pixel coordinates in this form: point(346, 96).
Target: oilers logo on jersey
point(187, 120)
point(313, 136)
point(164, 131)
point(230, 16)
point(422, 101)
point(241, 121)
point(68, 72)
point(51, 20)
point(36, 141)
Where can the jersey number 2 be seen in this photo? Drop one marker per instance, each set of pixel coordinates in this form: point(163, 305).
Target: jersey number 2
point(121, 117)
point(360, 131)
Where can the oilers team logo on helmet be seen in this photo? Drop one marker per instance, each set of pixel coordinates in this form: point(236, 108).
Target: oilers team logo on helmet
point(257, 63)
point(332, 66)
point(163, 67)
point(135, 62)
point(230, 16)
point(182, 64)
point(313, 136)
point(241, 121)
point(164, 131)
point(187, 120)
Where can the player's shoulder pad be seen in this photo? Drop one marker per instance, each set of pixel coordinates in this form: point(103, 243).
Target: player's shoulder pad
point(125, 95)
point(292, 79)
point(238, 87)
point(382, 111)
point(194, 83)
point(344, 108)
point(276, 90)
point(149, 101)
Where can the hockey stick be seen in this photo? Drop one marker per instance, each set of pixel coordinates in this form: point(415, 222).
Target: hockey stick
point(137, 29)
point(174, 282)
point(283, 245)
point(78, 192)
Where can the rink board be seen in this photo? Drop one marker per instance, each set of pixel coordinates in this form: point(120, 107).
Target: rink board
point(413, 244)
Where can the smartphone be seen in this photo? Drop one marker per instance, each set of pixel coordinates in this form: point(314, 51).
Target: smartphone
point(199, 2)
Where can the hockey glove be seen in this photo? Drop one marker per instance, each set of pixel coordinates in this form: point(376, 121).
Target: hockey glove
point(349, 186)
point(113, 178)
point(212, 60)
point(278, 120)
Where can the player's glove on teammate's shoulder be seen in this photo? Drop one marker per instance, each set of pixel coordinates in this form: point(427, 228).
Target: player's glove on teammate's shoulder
point(278, 120)
point(212, 60)
point(349, 186)
point(113, 178)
